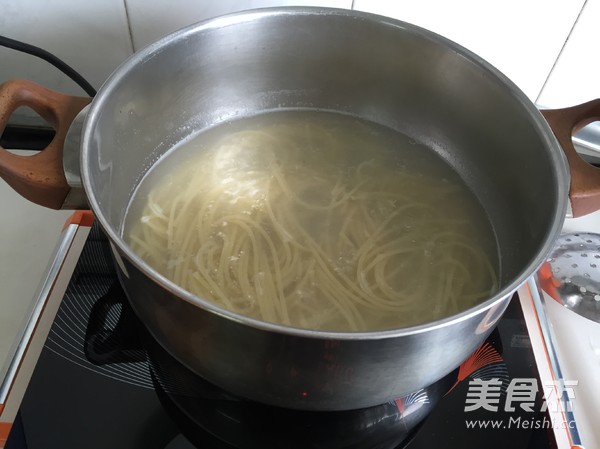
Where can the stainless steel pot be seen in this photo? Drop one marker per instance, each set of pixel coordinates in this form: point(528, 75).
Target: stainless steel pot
point(373, 67)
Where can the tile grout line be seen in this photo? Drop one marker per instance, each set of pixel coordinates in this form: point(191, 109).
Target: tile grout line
point(562, 49)
point(129, 26)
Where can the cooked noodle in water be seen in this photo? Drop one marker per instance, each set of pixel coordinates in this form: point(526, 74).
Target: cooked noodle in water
point(315, 220)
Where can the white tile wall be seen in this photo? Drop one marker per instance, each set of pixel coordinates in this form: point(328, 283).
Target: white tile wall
point(522, 38)
point(152, 20)
point(91, 36)
point(576, 75)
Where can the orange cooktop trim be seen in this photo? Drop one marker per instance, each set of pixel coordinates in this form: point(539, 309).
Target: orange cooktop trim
point(81, 218)
point(4, 431)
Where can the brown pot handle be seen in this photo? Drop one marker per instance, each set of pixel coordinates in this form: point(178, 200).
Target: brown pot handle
point(585, 178)
point(39, 178)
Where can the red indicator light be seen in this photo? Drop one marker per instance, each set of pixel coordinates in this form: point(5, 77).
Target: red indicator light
point(304, 394)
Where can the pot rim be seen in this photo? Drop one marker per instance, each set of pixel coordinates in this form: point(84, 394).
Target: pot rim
point(537, 120)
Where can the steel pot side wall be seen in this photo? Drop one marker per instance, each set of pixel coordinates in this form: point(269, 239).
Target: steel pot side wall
point(299, 372)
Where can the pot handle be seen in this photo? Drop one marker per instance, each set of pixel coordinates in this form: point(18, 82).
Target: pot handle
point(585, 178)
point(39, 178)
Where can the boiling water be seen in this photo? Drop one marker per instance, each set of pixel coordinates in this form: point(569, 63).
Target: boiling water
point(315, 220)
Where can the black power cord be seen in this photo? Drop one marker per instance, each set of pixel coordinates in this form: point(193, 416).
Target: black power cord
point(49, 57)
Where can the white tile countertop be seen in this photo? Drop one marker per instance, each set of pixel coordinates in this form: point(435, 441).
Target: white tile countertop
point(576, 341)
point(28, 236)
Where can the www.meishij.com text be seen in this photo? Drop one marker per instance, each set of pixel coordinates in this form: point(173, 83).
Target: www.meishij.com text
point(519, 423)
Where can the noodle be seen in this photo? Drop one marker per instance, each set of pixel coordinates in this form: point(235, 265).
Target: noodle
point(315, 222)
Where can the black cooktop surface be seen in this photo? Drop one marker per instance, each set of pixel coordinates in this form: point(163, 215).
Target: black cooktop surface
point(73, 403)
